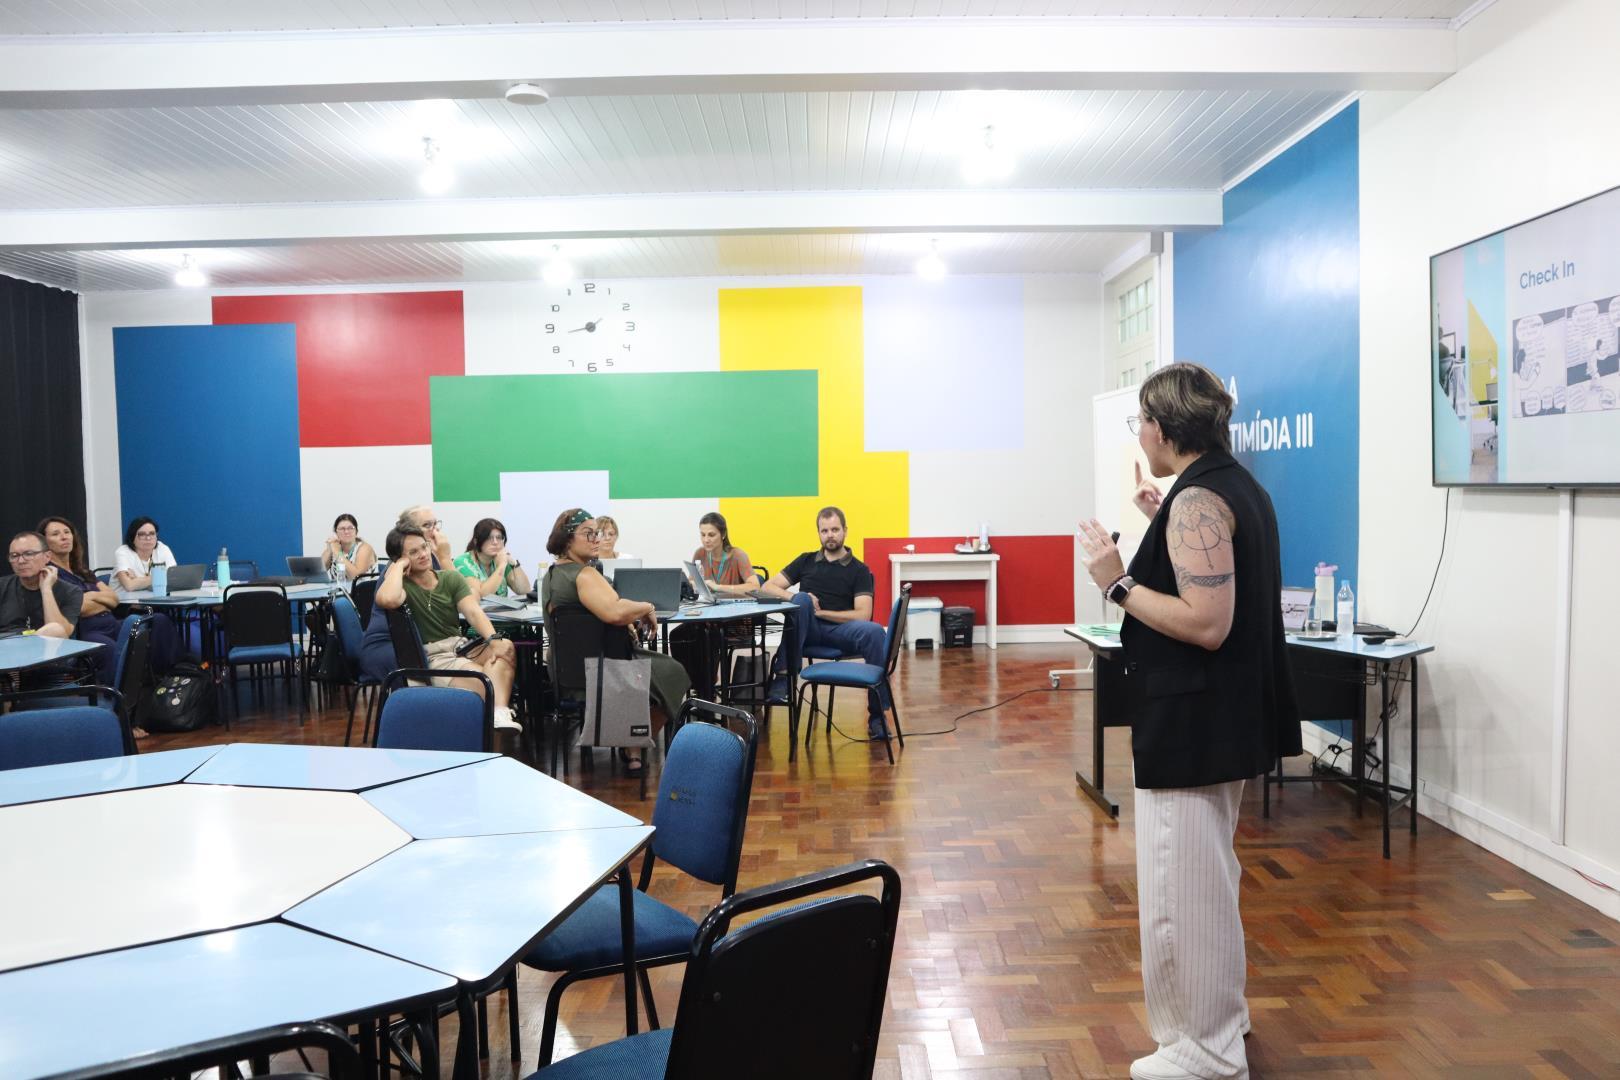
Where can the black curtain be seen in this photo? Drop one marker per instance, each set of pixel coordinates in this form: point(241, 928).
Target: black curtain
point(41, 424)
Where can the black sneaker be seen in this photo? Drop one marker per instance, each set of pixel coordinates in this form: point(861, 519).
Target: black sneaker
point(876, 728)
point(778, 692)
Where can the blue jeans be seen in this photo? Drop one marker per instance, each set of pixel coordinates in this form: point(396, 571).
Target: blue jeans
point(864, 638)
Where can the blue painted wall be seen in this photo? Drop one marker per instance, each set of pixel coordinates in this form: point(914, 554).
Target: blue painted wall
point(208, 439)
point(1272, 299)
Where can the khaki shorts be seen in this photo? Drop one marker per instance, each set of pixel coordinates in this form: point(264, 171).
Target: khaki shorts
point(441, 656)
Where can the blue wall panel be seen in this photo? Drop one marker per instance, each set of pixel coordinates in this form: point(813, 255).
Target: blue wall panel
point(1273, 300)
point(208, 439)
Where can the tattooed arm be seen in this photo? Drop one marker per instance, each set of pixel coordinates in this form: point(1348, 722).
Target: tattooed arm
point(1199, 535)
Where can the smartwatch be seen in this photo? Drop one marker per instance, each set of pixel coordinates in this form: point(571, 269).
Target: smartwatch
point(1119, 590)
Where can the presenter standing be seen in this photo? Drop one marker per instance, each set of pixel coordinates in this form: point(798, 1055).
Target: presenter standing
point(1203, 631)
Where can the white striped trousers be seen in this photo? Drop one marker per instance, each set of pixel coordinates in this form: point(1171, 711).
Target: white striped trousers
point(1193, 966)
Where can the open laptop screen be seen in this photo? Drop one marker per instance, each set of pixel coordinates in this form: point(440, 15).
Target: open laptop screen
point(1296, 607)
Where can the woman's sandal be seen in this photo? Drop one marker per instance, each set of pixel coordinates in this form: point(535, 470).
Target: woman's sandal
point(633, 766)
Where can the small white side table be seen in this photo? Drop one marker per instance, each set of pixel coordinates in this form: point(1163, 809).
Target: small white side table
point(949, 566)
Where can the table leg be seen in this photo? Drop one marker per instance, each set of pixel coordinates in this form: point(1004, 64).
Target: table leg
point(1383, 726)
point(1411, 778)
point(466, 1067)
point(1099, 705)
point(627, 929)
point(990, 602)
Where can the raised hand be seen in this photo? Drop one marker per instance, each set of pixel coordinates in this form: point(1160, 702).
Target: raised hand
point(1148, 497)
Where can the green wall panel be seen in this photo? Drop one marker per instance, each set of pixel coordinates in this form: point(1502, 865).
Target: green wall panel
point(677, 435)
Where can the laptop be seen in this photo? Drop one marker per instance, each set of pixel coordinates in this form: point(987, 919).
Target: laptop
point(611, 566)
point(185, 577)
point(307, 567)
point(706, 595)
point(1296, 607)
point(659, 587)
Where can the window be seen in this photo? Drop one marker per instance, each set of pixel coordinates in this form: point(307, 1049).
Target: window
point(1136, 311)
point(1127, 377)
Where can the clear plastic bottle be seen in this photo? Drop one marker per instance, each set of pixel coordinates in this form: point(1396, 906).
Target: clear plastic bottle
point(339, 573)
point(1345, 614)
point(1324, 591)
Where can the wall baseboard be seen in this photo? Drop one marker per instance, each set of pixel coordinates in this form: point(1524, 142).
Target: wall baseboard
point(1557, 864)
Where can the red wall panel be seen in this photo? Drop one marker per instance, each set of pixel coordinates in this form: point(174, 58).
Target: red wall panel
point(363, 360)
point(1035, 578)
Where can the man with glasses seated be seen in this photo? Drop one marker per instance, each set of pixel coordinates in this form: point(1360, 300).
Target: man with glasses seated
point(34, 599)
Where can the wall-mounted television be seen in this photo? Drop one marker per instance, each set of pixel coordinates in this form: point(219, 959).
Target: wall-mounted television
point(1524, 352)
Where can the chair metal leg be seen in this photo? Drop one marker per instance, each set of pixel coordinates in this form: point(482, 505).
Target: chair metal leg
point(647, 999)
point(894, 707)
point(548, 1029)
point(514, 1035)
point(483, 1028)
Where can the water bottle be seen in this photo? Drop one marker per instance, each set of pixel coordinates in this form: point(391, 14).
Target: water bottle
point(160, 578)
point(223, 570)
point(339, 574)
point(1345, 614)
point(1324, 590)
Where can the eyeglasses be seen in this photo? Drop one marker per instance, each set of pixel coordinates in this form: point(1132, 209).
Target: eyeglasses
point(431, 524)
point(24, 556)
point(146, 535)
point(589, 534)
point(1135, 423)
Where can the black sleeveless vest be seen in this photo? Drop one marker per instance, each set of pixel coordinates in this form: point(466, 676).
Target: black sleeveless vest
point(1212, 717)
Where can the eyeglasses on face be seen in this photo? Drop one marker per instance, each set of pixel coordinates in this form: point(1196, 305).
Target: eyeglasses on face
point(146, 534)
point(588, 534)
point(24, 556)
point(434, 524)
point(1135, 422)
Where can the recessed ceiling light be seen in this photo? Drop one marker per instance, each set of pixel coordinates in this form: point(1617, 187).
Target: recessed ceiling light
point(188, 276)
point(557, 271)
point(437, 178)
point(931, 267)
point(525, 93)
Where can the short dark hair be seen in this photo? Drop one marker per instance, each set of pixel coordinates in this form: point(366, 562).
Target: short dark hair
point(1190, 405)
point(135, 527)
point(341, 518)
point(562, 531)
point(481, 533)
point(78, 561)
point(719, 522)
point(395, 544)
point(28, 532)
point(832, 511)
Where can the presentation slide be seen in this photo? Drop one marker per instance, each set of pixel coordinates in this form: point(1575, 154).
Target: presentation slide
point(1525, 352)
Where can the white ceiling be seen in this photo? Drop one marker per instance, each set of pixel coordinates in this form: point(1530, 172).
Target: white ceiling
point(215, 16)
point(822, 141)
point(704, 256)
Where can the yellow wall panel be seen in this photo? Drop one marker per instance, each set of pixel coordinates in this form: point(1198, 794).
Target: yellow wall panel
point(818, 329)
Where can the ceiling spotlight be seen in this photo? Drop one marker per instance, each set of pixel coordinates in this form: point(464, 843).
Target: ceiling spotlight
point(986, 161)
point(557, 271)
point(437, 178)
point(931, 267)
point(525, 93)
point(188, 276)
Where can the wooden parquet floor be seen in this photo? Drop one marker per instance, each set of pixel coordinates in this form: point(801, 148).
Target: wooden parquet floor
point(1018, 957)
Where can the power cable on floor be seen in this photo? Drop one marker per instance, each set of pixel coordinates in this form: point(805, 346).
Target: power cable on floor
point(955, 721)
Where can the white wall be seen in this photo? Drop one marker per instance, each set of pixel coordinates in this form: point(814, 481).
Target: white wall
point(1513, 134)
point(1037, 482)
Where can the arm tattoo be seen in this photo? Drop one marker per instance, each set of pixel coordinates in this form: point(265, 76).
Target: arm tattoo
point(1200, 533)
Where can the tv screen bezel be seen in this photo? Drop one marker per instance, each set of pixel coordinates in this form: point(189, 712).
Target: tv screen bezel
point(1434, 471)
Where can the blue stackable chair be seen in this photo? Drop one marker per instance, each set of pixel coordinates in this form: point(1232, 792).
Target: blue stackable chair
point(700, 817)
point(350, 633)
point(258, 631)
point(60, 733)
point(342, 1059)
point(435, 717)
point(795, 995)
point(862, 676)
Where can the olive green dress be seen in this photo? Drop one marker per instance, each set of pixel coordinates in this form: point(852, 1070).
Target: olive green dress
point(670, 682)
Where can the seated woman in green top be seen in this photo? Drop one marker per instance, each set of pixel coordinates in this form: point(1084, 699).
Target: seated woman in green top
point(726, 569)
point(573, 580)
point(436, 600)
point(487, 562)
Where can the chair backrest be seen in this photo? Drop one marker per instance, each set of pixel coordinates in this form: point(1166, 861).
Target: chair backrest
point(350, 634)
point(799, 993)
point(244, 569)
point(575, 635)
point(897, 627)
point(130, 663)
point(408, 649)
point(703, 792)
point(58, 732)
point(104, 574)
point(435, 717)
point(342, 1059)
point(364, 594)
point(257, 615)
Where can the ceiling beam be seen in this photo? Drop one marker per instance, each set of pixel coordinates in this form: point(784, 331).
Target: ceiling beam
point(618, 215)
point(724, 57)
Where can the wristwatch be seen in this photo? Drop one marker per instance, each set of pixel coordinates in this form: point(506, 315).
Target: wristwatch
point(1119, 590)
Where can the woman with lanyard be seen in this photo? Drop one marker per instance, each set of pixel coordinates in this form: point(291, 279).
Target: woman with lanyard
point(489, 564)
point(346, 546)
point(97, 621)
point(726, 569)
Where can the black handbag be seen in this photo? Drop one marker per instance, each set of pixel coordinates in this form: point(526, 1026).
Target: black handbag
point(183, 700)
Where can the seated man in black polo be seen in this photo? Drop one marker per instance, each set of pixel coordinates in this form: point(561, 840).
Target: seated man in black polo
point(835, 601)
point(33, 600)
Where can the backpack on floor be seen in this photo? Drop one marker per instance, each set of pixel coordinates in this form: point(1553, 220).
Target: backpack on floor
point(183, 700)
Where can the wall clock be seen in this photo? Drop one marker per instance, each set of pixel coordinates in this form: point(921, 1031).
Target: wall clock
point(589, 328)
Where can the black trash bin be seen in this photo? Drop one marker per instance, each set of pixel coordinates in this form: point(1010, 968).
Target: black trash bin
point(956, 627)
